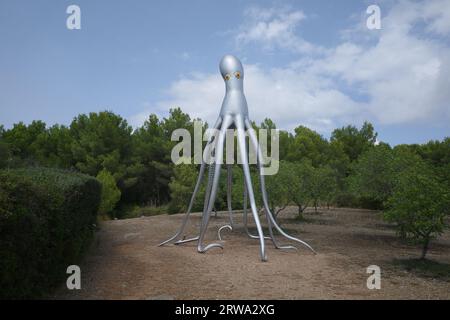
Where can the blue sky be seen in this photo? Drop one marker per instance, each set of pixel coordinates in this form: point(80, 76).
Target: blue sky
point(307, 62)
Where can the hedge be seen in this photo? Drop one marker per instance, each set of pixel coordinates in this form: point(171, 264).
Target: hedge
point(47, 218)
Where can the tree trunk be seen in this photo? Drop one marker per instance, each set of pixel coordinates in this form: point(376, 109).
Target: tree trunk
point(300, 211)
point(425, 247)
point(278, 211)
point(275, 212)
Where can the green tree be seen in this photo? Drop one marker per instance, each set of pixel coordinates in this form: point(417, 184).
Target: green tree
point(21, 139)
point(437, 154)
point(181, 187)
point(299, 183)
point(100, 141)
point(323, 185)
point(110, 192)
point(268, 125)
point(177, 119)
point(339, 161)
point(373, 174)
point(418, 205)
point(37, 145)
point(308, 144)
point(152, 164)
point(277, 189)
point(52, 147)
point(353, 141)
point(286, 140)
point(5, 152)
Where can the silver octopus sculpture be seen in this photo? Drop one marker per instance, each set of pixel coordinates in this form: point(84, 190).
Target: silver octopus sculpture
point(233, 115)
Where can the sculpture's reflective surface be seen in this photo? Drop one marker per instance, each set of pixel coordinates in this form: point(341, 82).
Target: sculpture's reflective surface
point(233, 115)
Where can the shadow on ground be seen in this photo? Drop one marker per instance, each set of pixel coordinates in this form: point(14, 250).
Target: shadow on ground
point(424, 268)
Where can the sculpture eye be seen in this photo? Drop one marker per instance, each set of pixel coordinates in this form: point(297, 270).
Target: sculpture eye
point(237, 74)
point(227, 77)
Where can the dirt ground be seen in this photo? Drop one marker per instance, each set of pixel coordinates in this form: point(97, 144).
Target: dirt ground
point(126, 263)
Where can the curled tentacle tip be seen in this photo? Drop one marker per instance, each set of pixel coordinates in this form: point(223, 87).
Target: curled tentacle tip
point(288, 248)
point(212, 245)
point(221, 228)
point(164, 242)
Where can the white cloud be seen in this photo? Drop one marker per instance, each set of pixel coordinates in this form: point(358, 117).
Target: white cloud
point(437, 13)
point(272, 28)
point(403, 73)
point(283, 95)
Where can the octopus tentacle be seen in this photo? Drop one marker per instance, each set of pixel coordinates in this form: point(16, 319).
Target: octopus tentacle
point(255, 144)
point(197, 187)
point(245, 218)
point(186, 240)
point(264, 193)
point(229, 182)
point(221, 228)
point(214, 180)
point(211, 169)
point(241, 141)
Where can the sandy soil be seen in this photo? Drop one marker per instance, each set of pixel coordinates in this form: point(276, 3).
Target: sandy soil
point(125, 262)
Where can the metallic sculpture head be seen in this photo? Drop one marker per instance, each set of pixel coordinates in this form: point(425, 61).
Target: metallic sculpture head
point(232, 72)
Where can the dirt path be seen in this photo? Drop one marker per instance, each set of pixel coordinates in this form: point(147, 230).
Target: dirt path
point(125, 263)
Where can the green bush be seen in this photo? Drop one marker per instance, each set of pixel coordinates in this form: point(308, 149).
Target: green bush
point(419, 205)
point(110, 192)
point(46, 223)
point(181, 187)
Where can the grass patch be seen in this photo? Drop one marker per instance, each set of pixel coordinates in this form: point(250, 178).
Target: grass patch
point(425, 268)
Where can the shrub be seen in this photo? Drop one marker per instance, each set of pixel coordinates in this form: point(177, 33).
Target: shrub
point(110, 192)
point(46, 223)
point(181, 187)
point(419, 205)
